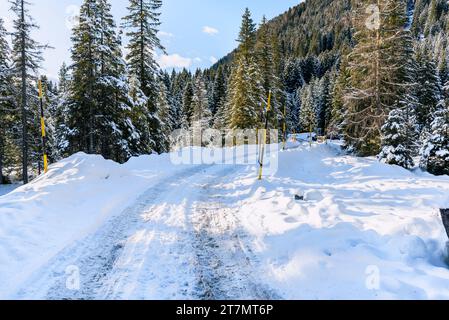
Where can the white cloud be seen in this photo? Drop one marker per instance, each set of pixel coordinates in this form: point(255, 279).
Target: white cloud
point(198, 59)
point(173, 61)
point(165, 34)
point(213, 59)
point(210, 30)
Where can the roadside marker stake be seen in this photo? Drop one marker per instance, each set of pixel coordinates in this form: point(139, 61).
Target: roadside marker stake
point(44, 136)
point(264, 142)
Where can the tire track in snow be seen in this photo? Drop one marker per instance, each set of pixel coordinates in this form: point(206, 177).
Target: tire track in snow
point(96, 254)
point(225, 267)
point(178, 241)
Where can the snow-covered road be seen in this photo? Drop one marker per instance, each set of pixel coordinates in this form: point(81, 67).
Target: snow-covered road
point(177, 241)
point(151, 229)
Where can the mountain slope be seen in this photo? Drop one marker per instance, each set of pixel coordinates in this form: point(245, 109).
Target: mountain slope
point(316, 26)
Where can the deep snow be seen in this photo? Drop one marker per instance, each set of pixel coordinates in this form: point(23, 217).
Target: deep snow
point(152, 230)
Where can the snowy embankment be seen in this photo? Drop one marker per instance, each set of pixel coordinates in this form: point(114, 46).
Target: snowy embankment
point(73, 200)
point(364, 230)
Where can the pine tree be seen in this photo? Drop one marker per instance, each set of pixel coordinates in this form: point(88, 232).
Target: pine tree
point(26, 60)
point(380, 73)
point(267, 53)
point(201, 114)
point(118, 136)
point(62, 112)
point(435, 150)
point(142, 24)
point(317, 100)
point(247, 35)
point(428, 89)
point(338, 111)
point(165, 117)
point(443, 69)
point(218, 91)
point(327, 85)
point(100, 119)
point(398, 137)
point(7, 110)
point(292, 83)
point(307, 116)
point(187, 111)
point(246, 92)
point(244, 96)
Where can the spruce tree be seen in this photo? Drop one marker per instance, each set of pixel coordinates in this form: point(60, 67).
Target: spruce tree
point(244, 96)
point(381, 72)
point(338, 111)
point(201, 114)
point(268, 61)
point(218, 91)
point(26, 61)
point(247, 35)
point(165, 117)
point(307, 116)
point(246, 92)
point(61, 113)
point(187, 111)
point(100, 118)
point(292, 83)
point(142, 24)
point(7, 110)
point(435, 150)
point(429, 91)
point(398, 136)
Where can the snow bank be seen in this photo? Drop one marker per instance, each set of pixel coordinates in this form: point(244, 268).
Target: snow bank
point(364, 231)
point(72, 200)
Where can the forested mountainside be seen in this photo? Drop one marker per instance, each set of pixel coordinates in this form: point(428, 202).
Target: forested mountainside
point(373, 74)
point(316, 42)
point(311, 28)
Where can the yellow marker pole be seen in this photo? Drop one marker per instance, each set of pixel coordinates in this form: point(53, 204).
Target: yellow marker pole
point(264, 142)
point(44, 136)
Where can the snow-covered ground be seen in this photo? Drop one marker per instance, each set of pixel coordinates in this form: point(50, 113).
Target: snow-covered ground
point(149, 229)
point(7, 188)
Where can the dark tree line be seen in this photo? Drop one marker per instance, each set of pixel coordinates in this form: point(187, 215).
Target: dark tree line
point(383, 90)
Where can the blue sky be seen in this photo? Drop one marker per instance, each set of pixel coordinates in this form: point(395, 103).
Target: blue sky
point(194, 32)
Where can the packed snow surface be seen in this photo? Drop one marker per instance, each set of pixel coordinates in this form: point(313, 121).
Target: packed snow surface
point(150, 229)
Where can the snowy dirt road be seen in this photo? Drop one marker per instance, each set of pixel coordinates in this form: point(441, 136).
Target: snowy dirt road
point(177, 241)
point(152, 229)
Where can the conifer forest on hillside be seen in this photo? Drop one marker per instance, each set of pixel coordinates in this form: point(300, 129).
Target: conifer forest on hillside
point(379, 84)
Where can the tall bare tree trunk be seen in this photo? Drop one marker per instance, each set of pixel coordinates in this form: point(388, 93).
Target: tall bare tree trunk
point(2, 150)
point(24, 98)
point(91, 107)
